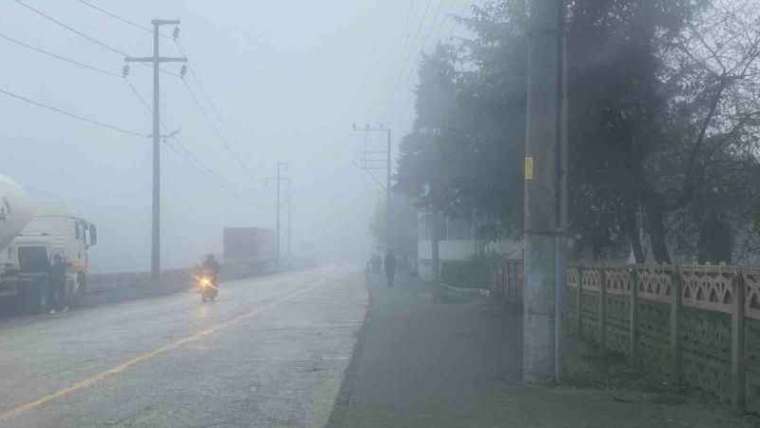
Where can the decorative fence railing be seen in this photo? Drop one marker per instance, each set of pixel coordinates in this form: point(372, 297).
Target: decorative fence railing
point(693, 325)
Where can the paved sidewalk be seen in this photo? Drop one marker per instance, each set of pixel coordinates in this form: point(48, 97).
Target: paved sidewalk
point(420, 363)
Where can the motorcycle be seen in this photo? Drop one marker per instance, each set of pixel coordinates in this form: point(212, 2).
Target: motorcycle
point(207, 287)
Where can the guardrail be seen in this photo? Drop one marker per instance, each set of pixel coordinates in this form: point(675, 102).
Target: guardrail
point(100, 282)
point(693, 325)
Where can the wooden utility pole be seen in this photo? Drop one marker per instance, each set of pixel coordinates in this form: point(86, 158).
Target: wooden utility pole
point(542, 199)
point(157, 60)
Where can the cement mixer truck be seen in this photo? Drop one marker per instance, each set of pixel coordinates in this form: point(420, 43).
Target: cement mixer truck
point(30, 236)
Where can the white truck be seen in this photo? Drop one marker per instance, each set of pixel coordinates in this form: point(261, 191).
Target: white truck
point(30, 239)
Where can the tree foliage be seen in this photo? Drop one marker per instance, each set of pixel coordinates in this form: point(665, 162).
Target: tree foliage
point(662, 125)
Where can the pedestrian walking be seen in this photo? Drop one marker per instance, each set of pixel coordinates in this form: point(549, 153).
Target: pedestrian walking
point(390, 267)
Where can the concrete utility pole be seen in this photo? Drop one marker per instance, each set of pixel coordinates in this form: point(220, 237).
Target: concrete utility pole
point(542, 199)
point(290, 198)
point(279, 179)
point(561, 238)
point(373, 160)
point(156, 59)
point(388, 233)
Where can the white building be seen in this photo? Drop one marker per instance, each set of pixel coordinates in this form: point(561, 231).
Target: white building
point(457, 241)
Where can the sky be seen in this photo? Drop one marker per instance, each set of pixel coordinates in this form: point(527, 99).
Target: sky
point(271, 81)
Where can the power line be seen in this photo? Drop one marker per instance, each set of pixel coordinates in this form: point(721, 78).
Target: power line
point(409, 61)
point(406, 38)
point(121, 18)
point(424, 17)
point(83, 35)
point(215, 128)
point(369, 174)
point(200, 85)
point(407, 70)
point(410, 53)
point(116, 17)
point(71, 115)
point(139, 97)
point(185, 152)
point(423, 41)
point(193, 159)
point(433, 25)
point(72, 29)
point(59, 57)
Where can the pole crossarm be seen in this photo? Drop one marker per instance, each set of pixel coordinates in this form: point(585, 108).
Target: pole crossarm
point(158, 22)
point(152, 59)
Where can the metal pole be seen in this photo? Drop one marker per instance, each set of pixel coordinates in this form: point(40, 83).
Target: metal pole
point(279, 164)
point(541, 199)
point(388, 198)
point(290, 196)
point(155, 265)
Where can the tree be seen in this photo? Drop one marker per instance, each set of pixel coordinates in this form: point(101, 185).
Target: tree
point(663, 124)
point(711, 70)
point(461, 153)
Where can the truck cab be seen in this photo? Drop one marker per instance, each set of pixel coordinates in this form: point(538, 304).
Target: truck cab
point(27, 259)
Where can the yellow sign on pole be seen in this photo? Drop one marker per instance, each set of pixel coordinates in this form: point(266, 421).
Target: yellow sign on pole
point(528, 168)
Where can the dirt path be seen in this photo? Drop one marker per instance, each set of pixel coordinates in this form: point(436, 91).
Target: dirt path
point(457, 364)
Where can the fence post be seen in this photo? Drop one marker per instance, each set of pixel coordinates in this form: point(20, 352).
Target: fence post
point(603, 308)
point(633, 315)
point(579, 302)
point(675, 309)
point(738, 372)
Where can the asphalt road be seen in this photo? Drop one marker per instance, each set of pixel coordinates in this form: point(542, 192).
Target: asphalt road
point(271, 352)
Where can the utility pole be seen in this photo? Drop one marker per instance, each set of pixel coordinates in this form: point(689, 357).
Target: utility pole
point(290, 198)
point(374, 160)
point(388, 234)
point(157, 60)
point(561, 238)
point(279, 179)
point(279, 164)
point(542, 199)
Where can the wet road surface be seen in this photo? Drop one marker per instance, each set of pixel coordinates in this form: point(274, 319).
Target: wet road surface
point(271, 352)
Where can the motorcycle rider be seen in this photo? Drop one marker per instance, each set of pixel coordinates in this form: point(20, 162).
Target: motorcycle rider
point(211, 267)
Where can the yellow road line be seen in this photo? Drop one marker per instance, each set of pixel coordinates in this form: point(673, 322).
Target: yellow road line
point(22, 408)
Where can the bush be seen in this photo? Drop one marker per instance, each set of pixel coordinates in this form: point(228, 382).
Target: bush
point(473, 273)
